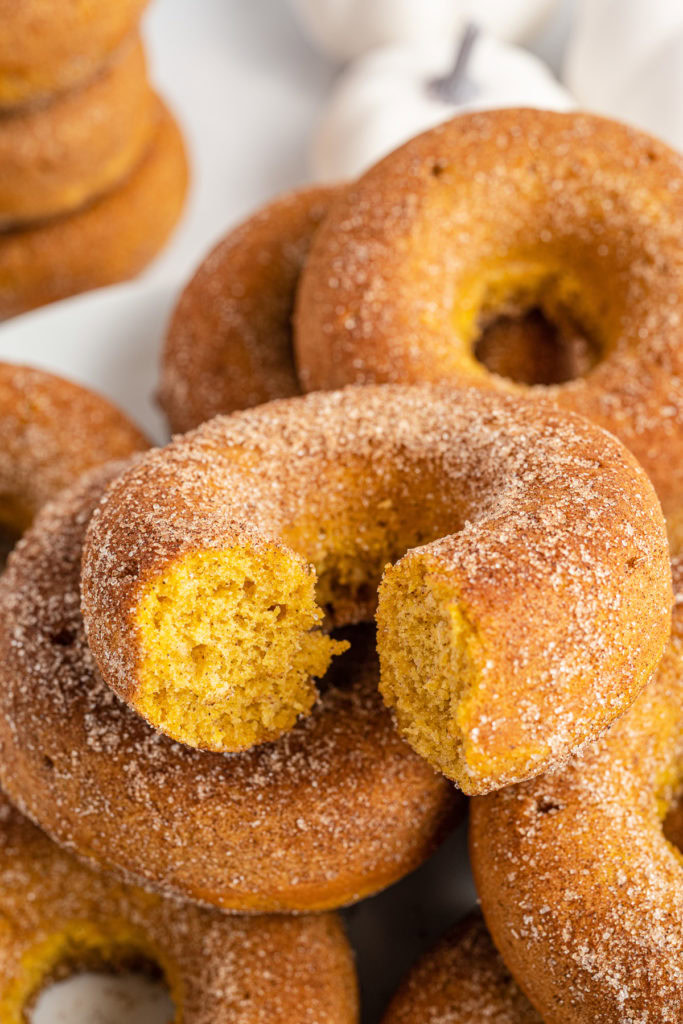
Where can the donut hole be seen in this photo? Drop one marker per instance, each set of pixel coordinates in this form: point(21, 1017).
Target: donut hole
point(16, 514)
point(673, 822)
point(230, 651)
point(530, 348)
point(536, 330)
point(8, 538)
point(346, 670)
point(93, 991)
point(64, 638)
point(98, 998)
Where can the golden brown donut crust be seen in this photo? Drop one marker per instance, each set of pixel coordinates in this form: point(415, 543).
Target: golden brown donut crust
point(503, 208)
point(462, 980)
point(229, 342)
point(48, 46)
point(540, 542)
point(337, 809)
point(52, 431)
point(56, 158)
point(581, 890)
point(59, 917)
point(108, 241)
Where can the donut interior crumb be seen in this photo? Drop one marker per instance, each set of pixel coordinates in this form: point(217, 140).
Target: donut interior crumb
point(431, 660)
point(230, 646)
point(427, 665)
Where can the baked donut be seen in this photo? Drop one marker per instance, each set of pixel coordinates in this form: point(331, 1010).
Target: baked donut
point(580, 888)
point(462, 980)
point(58, 918)
point(55, 158)
point(52, 431)
point(108, 241)
point(335, 810)
point(229, 342)
point(496, 214)
point(48, 46)
point(534, 605)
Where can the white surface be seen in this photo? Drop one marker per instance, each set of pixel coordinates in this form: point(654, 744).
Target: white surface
point(388, 96)
point(248, 90)
point(625, 59)
point(346, 29)
point(102, 999)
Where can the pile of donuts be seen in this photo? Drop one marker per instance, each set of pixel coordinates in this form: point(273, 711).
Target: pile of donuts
point(93, 171)
point(417, 538)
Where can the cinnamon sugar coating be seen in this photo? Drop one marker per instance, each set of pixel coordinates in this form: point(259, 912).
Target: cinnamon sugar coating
point(335, 810)
point(56, 158)
point(229, 342)
point(581, 890)
point(110, 240)
point(462, 980)
point(58, 917)
point(52, 431)
point(499, 212)
point(49, 46)
point(538, 572)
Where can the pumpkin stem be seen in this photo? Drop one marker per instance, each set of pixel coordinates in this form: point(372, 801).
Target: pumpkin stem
point(455, 87)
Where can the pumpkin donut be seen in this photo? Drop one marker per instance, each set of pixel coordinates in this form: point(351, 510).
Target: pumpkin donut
point(229, 342)
point(335, 810)
point(56, 158)
point(58, 917)
point(462, 980)
point(52, 431)
point(496, 214)
point(580, 888)
point(49, 46)
point(532, 609)
point(108, 241)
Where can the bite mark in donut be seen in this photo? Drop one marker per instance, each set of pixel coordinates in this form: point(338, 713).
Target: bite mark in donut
point(242, 647)
point(538, 575)
point(336, 809)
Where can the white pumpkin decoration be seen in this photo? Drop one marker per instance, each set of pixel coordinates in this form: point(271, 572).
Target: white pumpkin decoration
point(392, 94)
point(345, 29)
point(625, 59)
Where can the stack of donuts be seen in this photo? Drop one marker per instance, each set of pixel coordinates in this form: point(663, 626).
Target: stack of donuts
point(418, 538)
point(92, 164)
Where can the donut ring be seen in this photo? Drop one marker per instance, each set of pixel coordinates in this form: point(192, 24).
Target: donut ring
point(52, 431)
point(49, 46)
point(55, 159)
point(229, 342)
point(337, 809)
point(58, 917)
point(201, 563)
point(108, 241)
point(580, 888)
point(462, 980)
point(498, 212)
